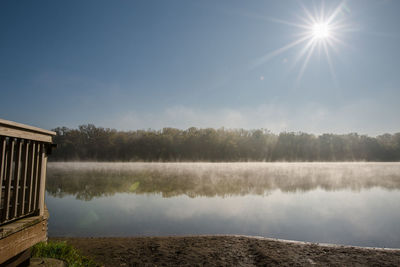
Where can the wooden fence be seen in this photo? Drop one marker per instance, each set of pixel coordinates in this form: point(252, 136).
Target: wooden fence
point(23, 160)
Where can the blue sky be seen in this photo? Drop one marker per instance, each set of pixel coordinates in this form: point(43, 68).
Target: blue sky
point(153, 64)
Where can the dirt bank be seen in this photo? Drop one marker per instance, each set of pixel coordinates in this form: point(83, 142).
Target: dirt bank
point(226, 251)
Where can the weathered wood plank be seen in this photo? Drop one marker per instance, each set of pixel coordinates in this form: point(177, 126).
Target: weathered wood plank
point(24, 176)
point(14, 244)
point(16, 226)
point(3, 181)
point(25, 134)
point(39, 161)
point(42, 184)
point(21, 259)
point(3, 144)
point(7, 182)
point(31, 173)
point(17, 173)
point(25, 127)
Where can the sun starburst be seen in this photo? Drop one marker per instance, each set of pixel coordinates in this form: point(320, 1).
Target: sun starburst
point(320, 30)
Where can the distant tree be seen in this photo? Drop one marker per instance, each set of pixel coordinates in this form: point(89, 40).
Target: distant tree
point(89, 142)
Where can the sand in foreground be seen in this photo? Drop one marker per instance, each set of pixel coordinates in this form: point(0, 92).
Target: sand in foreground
point(225, 251)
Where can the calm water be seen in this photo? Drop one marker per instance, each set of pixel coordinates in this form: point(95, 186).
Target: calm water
point(343, 203)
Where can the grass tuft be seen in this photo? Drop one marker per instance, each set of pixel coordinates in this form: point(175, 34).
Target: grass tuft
point(61, 251)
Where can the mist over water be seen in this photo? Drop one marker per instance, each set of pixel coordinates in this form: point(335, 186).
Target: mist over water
point(344, 203)
point(211, 179)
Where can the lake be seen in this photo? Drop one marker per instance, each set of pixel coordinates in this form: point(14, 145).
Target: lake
point(342, 203)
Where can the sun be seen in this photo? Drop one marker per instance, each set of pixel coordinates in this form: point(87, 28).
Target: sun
point(321, 31)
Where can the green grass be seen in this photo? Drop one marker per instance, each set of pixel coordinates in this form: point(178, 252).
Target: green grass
point(61, 251)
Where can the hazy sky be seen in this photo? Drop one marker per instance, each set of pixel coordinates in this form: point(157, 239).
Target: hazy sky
point(170, 63)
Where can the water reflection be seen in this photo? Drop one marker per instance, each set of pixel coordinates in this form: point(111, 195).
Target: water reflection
point(366, 218)
point(88, 180)
point(343, 203)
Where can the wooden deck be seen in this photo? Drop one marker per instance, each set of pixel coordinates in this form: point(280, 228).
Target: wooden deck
point(23, 160)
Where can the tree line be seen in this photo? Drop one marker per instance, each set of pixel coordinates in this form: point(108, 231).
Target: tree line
point(91, 143)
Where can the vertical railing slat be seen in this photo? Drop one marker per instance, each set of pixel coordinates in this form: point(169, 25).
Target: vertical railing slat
point(7, 184)
point(24, 174)
point(31, 176)
point(39, 175)
point(36, 177)
point(42, 183)
point(3, 144)
point(17, 173)
point(5, 160)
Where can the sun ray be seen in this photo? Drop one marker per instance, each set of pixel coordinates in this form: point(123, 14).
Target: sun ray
point(278, 51)
point(332, 46)
point(310, 51)
point(302, 52)
point(335, 12)
point(309, 16)
point(334, 41)
point(272, 19)
point(321, 12)
point(280, 21)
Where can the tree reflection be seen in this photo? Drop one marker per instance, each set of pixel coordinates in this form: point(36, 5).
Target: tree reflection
point(88, 180)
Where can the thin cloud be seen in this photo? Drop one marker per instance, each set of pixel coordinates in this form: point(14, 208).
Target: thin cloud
point(311, 118)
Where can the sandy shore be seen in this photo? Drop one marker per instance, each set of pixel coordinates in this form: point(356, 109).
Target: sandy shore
point(226, 251)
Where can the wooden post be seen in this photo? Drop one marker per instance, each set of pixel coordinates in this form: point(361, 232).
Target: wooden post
point(2, 163)
point(7, 191)
point(42, 184)
point(22, 195)
point(17, 173)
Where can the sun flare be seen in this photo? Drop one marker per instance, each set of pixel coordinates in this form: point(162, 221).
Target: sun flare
point(321, 30)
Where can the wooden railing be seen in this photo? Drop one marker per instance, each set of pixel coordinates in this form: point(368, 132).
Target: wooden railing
point(23, 160)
